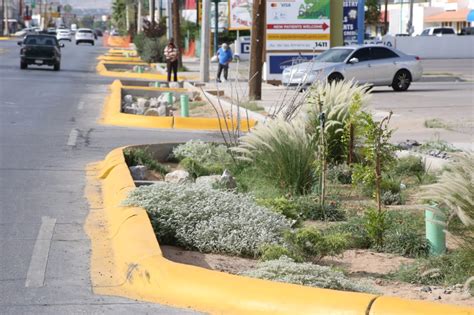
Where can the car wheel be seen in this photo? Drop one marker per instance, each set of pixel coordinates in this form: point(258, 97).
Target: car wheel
point(401, 81)
point(335, 77)
point(77, 43)
point(23, 65)
point(92, 43)
point(57, 66)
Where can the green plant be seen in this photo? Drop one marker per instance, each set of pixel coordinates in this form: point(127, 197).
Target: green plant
point(312, 244)
point(436, 123)
point(153, 49)
point(195, 104)
point(282, 152)
point(139, 41)
point(376, 225)
point(208, 220)
point(449, 269)
point(454, 196)
point(340, 173)
point(390, 198)
point(355, 227)
point(272, 252)
point(287, 270)
point(134, 156)
point(253, 106)
point(410, 165)
point(436, 145)
point(195, 169)
point(311, 209)
point(284, 206)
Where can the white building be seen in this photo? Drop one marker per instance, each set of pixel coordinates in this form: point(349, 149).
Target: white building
point(452, 13)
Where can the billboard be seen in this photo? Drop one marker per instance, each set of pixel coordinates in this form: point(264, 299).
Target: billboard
point(298, 25)
point(240, 14)
point(350, 22)
point(223, 22)
point(277, 62)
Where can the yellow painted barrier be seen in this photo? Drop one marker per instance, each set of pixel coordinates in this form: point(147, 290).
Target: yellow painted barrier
point(127, 261)
point(112, 115)
point(119, 58)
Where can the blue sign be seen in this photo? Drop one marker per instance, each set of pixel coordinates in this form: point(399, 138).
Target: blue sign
point(350, 22)
point(278, 63)
point(245, 48)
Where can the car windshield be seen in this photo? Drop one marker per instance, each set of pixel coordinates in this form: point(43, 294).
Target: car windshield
point(40, 40)
point(334, 55)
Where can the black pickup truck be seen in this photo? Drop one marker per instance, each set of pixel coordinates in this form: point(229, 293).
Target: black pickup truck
point(40, 49)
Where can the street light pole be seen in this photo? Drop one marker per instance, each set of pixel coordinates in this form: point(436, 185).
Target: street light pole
point(216, 23)
point(410, 28)
point(205, 32)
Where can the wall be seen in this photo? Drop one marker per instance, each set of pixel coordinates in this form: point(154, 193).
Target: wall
point(434, 47)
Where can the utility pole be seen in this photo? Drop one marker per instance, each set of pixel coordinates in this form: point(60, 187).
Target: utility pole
point(3, 17)
point(410, 28)
point(216, 24)
point(169, 20)
point(152, 12)
point(205, 32)
point(177, 31)
point(256, 49)
point(337, 16)
point(139, 17)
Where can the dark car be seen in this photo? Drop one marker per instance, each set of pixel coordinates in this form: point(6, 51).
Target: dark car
point(40, 50)
point(467, 31)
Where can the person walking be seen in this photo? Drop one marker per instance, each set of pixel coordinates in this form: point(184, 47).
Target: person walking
point(171, 55)
point(224, 55)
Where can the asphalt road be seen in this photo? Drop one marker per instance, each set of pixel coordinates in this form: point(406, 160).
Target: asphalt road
point(42, 182)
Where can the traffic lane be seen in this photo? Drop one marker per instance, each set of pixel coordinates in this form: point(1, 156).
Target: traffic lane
point(448, 66)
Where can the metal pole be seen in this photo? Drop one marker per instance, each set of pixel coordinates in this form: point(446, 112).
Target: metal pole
point(360, 21)
point(139, 17)
point(410, 28)
point(169, 20)
point(337, 17)
point(205, 32)
point(216, 23)
point(151, 7)
point(2, 17)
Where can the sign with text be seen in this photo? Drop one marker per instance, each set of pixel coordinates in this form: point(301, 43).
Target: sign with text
point(240, 14)
point(350, 22)
point(298, 25)
point(277, 62)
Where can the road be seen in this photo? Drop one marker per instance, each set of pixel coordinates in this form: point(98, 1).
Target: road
point(48, 134)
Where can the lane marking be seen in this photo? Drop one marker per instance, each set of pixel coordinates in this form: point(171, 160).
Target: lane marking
point(39, 259)
point(80, 106)
point(71, 141)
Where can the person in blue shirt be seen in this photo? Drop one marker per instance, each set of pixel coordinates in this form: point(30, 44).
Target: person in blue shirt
point(224, 54)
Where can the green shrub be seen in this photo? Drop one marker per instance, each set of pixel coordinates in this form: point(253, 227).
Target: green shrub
point(208, 220)
point(139, 41)
point(153, 49)
point(283, 153)
point(449, 269)
point(409, 165)
point(376, 225)
point(354, 227)
point(286, 207)
point(312, 244)
point(287, 270)
point(340, 173)
point(272, 252)
point(135, 157)
point(196, 169)
point(389, 198)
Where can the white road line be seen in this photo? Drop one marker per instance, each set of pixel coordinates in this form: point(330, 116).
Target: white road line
point(39, 259)
point(71, 141)
point(80, 106)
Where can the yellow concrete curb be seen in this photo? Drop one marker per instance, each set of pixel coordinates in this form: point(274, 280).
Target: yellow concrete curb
point(118, 58)
point(5, 38)
point(112, 115)
point(127, 261)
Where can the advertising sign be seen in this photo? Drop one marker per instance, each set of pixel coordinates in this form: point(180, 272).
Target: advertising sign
point(223, 21)
point(277, 62)
point(298, 25)
point(240, 14)
point(350, 22)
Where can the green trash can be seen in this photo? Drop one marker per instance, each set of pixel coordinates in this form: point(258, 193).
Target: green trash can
point(435, 232)
point(184, 105)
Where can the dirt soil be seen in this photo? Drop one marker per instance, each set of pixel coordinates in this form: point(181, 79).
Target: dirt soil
point(359, 264)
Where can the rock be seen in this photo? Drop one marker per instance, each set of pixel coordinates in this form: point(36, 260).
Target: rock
point(130, 110)
point(174, 85)
point(138, 172)
point(208, 181)
point(128, 99)
point(162, 109)
point(425, 289)
point(447, 291)
point(227, 180)
point(436, 298)
point(178, 177)
point(379, 282)
point(152, 112)
point(154, 102)
point(403, 186)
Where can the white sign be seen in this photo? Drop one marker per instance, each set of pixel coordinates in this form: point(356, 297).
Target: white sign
point(240, 14)
point(298, 25)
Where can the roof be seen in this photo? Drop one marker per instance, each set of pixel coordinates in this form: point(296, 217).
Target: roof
point(449, 16)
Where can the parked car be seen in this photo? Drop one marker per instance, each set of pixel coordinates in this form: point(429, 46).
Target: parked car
point(63, 34)
point(375, 65)
point(40, 50)
point(85, 35)
point(438, 31)
point(467, 31)
point(98, 32)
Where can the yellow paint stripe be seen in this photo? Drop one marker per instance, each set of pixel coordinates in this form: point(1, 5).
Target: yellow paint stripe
point(298, 36)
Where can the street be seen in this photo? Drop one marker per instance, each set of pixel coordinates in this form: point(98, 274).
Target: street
point(48, 134)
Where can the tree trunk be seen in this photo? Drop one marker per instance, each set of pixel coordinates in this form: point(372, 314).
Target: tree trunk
point(139, 17)
point(176, 30)
point(256, 50)
point(152, 12)
point(385, 19)
point(127, 16)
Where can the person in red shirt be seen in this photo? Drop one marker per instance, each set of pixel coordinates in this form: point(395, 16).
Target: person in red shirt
point(171, 55)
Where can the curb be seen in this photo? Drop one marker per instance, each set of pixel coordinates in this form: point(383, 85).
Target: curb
point(112, 115)
point(102, 70)
point(127, 261)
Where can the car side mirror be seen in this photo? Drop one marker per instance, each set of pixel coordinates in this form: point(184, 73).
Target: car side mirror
point(354, 60)
point(20, 43)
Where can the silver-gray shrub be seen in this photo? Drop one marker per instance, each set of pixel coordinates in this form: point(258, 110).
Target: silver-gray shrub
point(208, 220)
point(287, 270)
point(203, 152)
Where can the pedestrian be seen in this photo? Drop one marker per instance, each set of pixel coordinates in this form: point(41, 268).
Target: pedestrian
point(171, 55)
point(224, 55)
